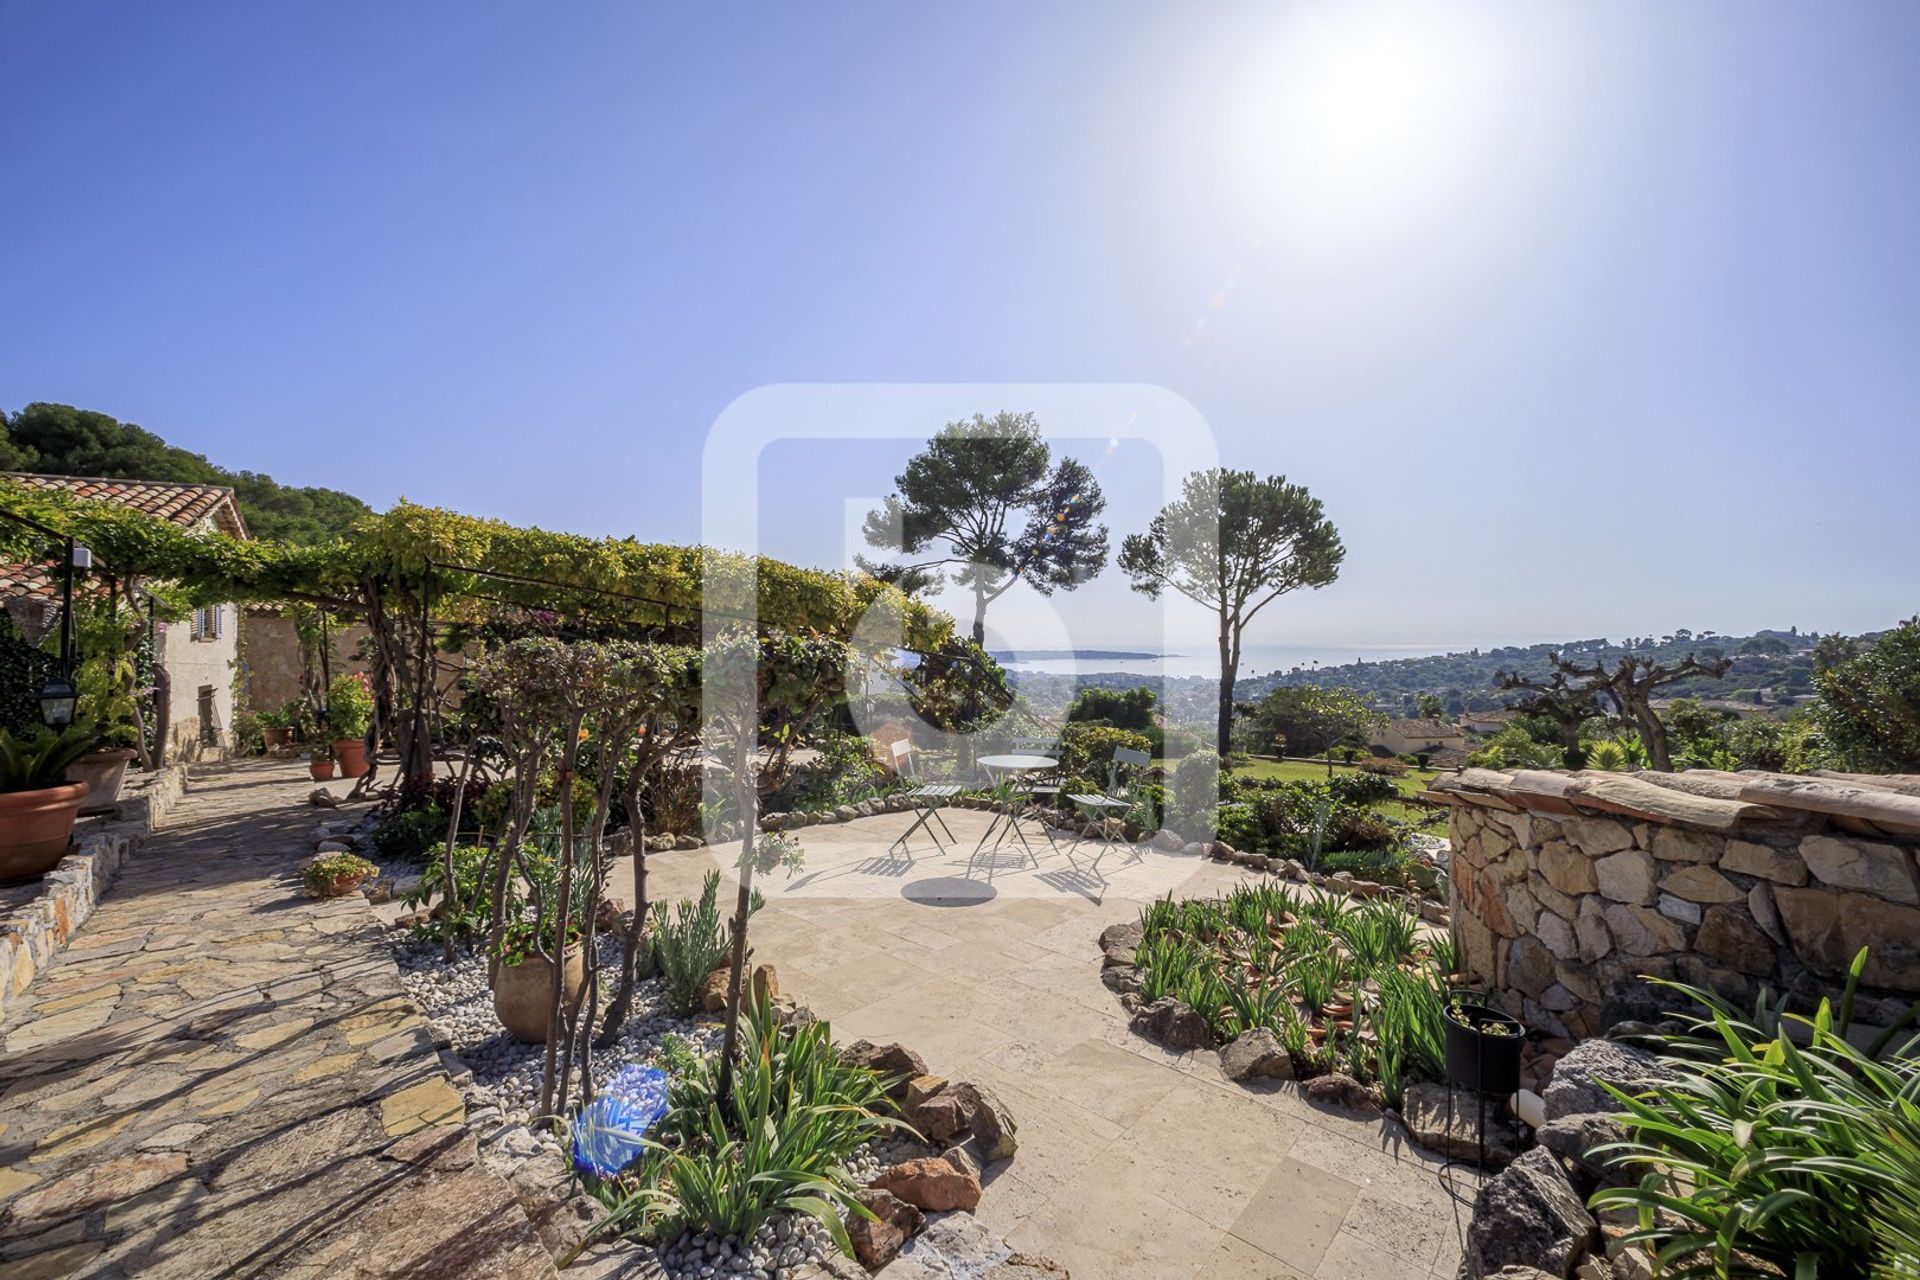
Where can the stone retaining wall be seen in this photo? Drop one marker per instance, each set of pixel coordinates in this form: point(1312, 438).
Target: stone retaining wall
point(37, 920)
point(1569, 886)
point(35, 930)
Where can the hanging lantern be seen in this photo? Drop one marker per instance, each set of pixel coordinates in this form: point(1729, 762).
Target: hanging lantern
point(58, 698)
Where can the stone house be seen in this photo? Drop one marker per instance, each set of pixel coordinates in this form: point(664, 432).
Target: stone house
point(1487, 722)
point(197, 656)
point(1414, 737)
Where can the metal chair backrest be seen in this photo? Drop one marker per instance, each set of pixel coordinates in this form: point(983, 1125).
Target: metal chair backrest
point(1048, 747)
point(903, 764)
point(1128, 762)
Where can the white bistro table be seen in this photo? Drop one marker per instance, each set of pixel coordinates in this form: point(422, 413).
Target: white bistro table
point(1003, 769)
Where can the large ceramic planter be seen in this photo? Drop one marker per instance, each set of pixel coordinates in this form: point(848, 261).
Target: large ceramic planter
point(352, 755)
point(523, 994)
point(276, 739)
point(34, 829)
point(104, 772)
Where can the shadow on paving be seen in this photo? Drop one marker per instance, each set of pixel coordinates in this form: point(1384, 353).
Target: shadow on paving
point(262, 1097)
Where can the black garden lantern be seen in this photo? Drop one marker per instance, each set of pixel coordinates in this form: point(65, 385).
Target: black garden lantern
point(1483, 1057)
point(58, 696)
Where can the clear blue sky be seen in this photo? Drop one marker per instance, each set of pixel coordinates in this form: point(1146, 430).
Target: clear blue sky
point(1583, 319)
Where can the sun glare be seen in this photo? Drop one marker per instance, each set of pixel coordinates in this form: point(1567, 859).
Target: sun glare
point(1369, 105)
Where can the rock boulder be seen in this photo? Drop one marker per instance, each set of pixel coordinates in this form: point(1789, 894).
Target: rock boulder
point(1528, 1216)
point(1173, 1024)
point(1576, 1085)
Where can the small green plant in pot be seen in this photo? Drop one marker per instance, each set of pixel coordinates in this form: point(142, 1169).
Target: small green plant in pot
point(349, 715)
point(335, 875)
point(320, 762)
point(37, 803)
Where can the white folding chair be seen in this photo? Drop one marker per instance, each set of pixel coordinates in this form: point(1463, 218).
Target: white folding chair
point(1106, 811)
point(926, 798)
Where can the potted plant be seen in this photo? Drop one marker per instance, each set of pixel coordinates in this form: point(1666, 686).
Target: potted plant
point(349, 713)
point(276, 731)
point(335, 875)
point(320, 762)
point(1483, 1047)
point(37, 804)
point(522, 973)
point(105, 681)
point(523, 979)
point(104, 771)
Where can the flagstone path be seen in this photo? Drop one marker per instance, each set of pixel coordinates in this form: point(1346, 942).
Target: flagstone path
point(223, 1078)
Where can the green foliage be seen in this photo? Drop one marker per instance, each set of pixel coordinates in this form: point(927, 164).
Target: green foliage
point(407, 836)
point(986, 496)
point(606, 581)
point(1086, 749)
point(531, 923)
point(1869, 705)
point(324, 870)
point(349, 706)
point(1302, 720)
point(1194, 795)
point(1769, 1158)
point(1514, 748)
point(780, 1142)
point(844, 771)
point(1133, 708)
point(59, 439)
point(39, 760)
point(689, 942)
point(1270, 955)
point(465, 924)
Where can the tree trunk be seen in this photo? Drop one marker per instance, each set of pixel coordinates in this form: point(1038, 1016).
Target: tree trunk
point(1229, 671)
point(979, 615)
point(162, 712)
point(742, 909)
point(1654, 734)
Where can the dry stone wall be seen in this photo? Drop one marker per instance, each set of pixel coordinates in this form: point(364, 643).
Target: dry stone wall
point(1568, 887)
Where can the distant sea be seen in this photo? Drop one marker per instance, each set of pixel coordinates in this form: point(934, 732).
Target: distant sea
point(1254, 660)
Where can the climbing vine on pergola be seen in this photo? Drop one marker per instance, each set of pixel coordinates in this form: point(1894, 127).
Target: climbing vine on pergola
point(413, 568)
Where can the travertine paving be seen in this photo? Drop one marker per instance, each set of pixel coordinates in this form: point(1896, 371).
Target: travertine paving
point(1134, 1162)
point(222, 1078)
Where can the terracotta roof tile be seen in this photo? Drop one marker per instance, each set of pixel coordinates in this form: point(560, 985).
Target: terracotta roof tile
point(184, 504)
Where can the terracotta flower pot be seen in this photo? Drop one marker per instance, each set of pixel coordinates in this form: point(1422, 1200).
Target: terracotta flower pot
point(35, 827)
point(104, 772)
point(320, 770)
point(352, 755)
point(341, 886)
point(523, 993)
point(276, 739)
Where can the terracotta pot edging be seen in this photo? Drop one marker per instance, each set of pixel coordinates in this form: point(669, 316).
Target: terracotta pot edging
point(35, 827)
point(352, 755)
point(104, 772)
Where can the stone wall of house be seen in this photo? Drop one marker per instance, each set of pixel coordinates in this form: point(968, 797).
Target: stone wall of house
point(270, 655)
point(195, 662)
point(1567, 887)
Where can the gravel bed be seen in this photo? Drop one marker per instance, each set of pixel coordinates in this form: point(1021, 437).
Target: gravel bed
point(505, 1090)
point(782, 1245)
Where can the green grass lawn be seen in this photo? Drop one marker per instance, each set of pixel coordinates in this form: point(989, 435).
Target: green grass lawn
point(1413, 783)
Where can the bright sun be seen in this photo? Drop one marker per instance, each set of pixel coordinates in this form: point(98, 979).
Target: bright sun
point(1369, 105)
